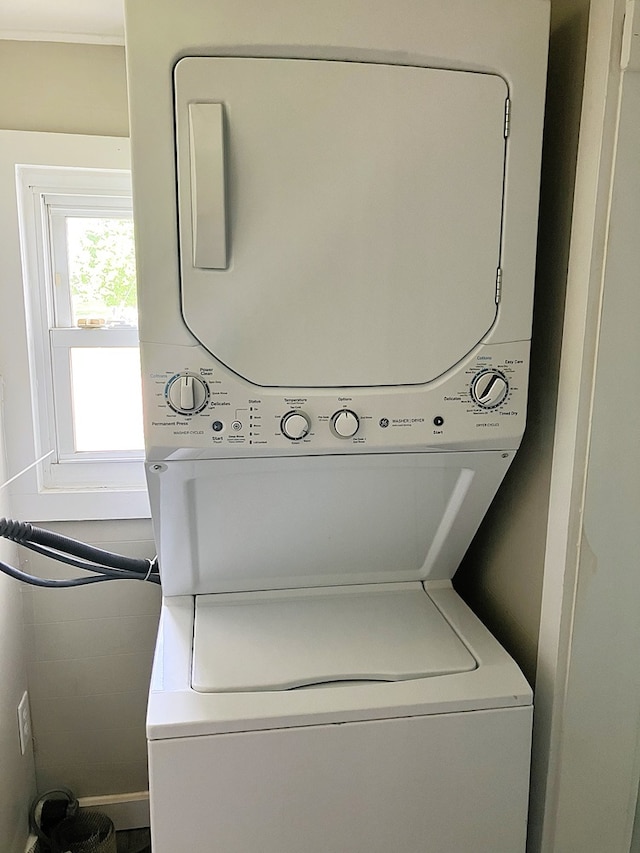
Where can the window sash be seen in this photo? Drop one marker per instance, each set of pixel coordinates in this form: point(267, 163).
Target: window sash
point(58, 209)
point(62, 341)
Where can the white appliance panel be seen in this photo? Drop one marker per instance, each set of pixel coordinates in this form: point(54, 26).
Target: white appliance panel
point(444, 784)
point(413, 753)
point(176, 710)
point(236, 419)
point(301, 638)
point(340, 222)
point(232, 525)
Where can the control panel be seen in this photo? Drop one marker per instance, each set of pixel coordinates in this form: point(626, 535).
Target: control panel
point(196, 407)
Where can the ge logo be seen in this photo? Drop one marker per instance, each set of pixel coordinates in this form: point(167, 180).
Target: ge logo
point(384, 422)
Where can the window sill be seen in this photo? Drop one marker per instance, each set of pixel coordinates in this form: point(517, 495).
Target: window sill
point(80, 504)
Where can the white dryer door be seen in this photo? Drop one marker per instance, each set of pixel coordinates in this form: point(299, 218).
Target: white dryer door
point(339, 221)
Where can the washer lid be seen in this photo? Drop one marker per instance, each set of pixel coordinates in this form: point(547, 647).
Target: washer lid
point(340, 222)
point(296, 638)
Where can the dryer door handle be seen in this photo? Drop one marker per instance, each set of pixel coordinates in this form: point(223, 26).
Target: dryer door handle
point(207, 156)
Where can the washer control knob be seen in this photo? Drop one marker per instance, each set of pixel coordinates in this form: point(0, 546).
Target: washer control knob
point(489, 389)
point(295, 425)
point(187, 394)
point(345, 423)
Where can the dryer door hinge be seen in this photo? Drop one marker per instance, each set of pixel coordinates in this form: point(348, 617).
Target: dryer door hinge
point(507, 117)
point(498, 285)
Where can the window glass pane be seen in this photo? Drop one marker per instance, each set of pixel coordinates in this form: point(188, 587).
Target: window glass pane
point(107, 398)
point(102, 272)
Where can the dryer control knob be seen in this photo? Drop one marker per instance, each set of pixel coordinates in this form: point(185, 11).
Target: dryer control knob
point(345, 423)
point(295, 425)
point(489, 389)
point(187, 394)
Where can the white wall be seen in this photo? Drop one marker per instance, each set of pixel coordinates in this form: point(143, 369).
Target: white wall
point(63, 88)
point(589, 675)
point(17, 776)
point(89, 654)
point(89, 650)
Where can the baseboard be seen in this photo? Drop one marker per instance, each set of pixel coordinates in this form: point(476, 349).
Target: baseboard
point(127, 811)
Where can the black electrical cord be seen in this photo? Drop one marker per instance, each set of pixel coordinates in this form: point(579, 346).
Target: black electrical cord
point(114, 574)
point(23, 532)
point(45, 582)
point(106, 565)
point(53, 805)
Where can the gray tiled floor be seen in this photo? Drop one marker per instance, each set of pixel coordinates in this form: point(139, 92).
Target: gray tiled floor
point(128, 841)
point(134, 841)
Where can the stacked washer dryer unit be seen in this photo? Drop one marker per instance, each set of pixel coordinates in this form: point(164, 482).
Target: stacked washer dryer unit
point(336, 219)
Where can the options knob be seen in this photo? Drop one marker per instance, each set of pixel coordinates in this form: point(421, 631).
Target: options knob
point(295, 425)
point(187, 394)
point(489, 389)
point(345, 423)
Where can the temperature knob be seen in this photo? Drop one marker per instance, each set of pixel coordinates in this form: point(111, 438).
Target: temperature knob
point(345, 423)
point(489, 389)
point(187, 394)
point(295, 425)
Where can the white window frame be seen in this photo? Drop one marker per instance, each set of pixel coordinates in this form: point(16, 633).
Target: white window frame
point(64, 485)
point(47, 196)
point(53, 214)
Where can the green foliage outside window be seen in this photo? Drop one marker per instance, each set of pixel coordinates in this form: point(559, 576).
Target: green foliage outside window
point(102, 270)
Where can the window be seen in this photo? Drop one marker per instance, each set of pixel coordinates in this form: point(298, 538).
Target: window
point(78, 228)
point(93, 325)
point(78, 271)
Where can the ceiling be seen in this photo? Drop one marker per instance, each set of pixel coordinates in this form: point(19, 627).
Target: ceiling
point(93, 21)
